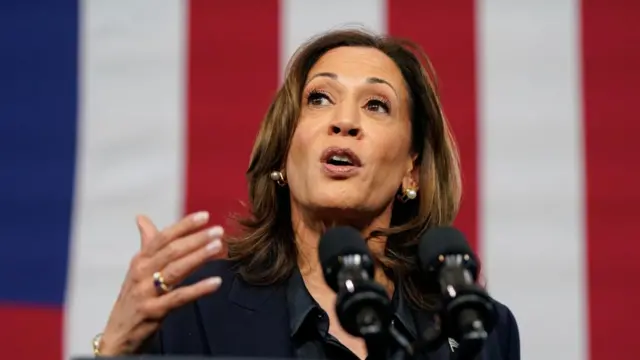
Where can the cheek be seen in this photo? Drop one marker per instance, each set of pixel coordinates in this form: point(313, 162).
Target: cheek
point(392, 159)
point(298, 155)
point(392, 153)
point(295, 154)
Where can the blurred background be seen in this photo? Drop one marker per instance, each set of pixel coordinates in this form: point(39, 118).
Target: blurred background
point(113, 108)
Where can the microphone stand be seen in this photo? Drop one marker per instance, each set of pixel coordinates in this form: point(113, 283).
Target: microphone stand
point(388, 345)
point(470, 330)
point(371, 329)
point(363, 309)
point(370, 321)
point(404, 349)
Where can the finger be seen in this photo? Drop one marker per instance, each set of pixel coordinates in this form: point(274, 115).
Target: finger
point(186, 245)
point(147, 230)
point(177, 270)
point(159, 306)
point(183, 227)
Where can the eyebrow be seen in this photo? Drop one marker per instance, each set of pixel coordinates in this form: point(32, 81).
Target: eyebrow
point(370, 80)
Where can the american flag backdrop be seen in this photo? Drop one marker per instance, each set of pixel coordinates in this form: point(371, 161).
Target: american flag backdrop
point(111, 108)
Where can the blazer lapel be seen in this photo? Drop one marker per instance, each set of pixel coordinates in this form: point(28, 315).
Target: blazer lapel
point(252, 321)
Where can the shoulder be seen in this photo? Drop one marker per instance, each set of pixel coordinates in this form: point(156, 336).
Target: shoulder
point(506, 332)
point(228, 321)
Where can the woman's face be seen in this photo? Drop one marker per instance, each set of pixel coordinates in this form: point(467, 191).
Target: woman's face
point(351, 149)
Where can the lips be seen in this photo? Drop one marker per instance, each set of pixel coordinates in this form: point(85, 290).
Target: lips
point(340, 163)
point(340, 157)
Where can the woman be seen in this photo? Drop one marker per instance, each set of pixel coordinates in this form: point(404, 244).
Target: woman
point(355, 136)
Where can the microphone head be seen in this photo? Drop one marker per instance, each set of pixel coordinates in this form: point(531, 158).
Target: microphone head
point(340, 246)
point(442, 241)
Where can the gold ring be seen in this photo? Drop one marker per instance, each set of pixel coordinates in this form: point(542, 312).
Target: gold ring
point(158, 282)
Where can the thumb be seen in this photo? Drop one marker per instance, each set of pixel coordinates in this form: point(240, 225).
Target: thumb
point(147, 230)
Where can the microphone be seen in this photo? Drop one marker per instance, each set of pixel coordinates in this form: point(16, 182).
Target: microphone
point(468, 314)
point(362, 305)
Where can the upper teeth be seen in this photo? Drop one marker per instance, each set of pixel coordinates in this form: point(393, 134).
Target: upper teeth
point(341, 158)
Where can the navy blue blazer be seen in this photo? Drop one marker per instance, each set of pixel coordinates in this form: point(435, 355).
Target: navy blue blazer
point(242, 320)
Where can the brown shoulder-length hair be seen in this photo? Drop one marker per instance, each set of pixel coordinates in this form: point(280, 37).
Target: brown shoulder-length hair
point(266, 251)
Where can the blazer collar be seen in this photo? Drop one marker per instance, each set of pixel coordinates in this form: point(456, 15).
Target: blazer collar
point(250, 320)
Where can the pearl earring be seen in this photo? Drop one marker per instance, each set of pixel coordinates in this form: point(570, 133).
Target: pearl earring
point(278, 177)
point(408, 194)
point(411, 194)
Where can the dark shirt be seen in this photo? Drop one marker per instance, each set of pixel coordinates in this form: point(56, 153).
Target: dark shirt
point(309, 324)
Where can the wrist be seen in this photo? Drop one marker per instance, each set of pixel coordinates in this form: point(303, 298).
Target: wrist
point(102, 347)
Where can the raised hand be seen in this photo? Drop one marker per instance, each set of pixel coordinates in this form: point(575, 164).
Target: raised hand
point(165, 259)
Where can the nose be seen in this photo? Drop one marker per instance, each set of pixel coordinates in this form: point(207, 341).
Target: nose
point(346, 125)
point(346, 129)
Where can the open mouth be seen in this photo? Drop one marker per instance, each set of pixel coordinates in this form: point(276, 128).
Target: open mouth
point(340, 157)
point(339, 160)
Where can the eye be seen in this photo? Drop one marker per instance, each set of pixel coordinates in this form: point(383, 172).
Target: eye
point(318, 98)
point(377, 105)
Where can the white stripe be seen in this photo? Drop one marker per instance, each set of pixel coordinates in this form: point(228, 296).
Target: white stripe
point(302, 20)
point(531, 162)
point(130, 155)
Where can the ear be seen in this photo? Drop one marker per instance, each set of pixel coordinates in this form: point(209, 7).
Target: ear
point(412, 175)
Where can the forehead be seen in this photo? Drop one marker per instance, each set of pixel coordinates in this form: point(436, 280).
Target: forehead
point(359, 62)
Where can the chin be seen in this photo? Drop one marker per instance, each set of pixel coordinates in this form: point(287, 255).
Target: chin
point(338, 197)
point(342, 209)
point(337, 203)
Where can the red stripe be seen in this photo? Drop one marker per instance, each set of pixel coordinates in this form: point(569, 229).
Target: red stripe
point(232, 74)
point(446, 31)
point(31, 333)
point(610, 39)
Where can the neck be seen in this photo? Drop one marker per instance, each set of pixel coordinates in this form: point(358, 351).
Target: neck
point(308, 229)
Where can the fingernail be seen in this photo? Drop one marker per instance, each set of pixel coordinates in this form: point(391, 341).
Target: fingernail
point(200, 217)
point(214, 246)
point(214, 281)
point(215, 232)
